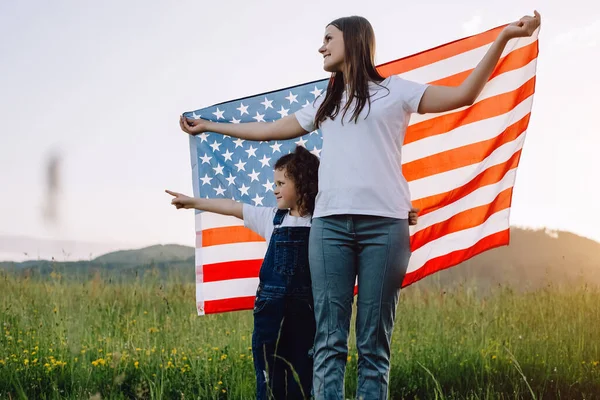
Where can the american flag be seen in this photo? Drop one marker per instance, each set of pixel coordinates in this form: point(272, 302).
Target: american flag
point(460, 165)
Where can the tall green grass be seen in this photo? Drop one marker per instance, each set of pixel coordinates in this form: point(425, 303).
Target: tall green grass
point(63, 338)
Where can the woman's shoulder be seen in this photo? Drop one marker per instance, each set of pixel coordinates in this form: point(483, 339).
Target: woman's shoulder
point(391, 87)
point(396, 81)
point(405, 89)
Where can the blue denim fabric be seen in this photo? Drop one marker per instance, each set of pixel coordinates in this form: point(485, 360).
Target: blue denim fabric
point(284, 323)
point(377, 251)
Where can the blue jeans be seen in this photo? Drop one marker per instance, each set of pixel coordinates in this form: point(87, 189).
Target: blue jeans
point(377, 250)
point(284, 322)
point(282, 345)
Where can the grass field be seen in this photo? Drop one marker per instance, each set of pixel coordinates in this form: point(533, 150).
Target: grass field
point(94, 339)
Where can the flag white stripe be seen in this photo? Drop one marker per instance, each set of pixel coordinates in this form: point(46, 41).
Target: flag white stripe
point(200, 297)
point(199, 258)
point(482, 196)
point(232, 252)
point(460, 62)
point(230, 288)
point(194, 162)
point(503, 83)
point(458, 240)
point(449, 180)
point(465, 135)
point(208, 220)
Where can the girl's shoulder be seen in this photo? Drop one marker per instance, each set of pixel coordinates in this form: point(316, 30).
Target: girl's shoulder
point(259, 212)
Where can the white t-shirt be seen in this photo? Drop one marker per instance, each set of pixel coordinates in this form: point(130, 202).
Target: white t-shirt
point(361, 163)
point(260, 220)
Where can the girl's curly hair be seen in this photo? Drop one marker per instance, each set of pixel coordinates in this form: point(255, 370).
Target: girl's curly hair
point(302, 167)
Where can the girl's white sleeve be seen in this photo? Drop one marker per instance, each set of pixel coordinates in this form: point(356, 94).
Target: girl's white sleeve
point(258, 219)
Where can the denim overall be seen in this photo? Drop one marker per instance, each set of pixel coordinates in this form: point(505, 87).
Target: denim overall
point(284, 322)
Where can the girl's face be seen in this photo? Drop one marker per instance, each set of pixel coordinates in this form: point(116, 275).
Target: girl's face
point(333, 49)
point(285, 191)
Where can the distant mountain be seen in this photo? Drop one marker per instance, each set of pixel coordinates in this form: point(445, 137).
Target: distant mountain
point(533, 259)
point(160, 261)
point(152, 254)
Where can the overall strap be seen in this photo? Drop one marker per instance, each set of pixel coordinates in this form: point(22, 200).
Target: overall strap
point(279, 216)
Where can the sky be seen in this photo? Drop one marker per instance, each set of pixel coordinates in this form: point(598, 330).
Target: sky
point(96, 88)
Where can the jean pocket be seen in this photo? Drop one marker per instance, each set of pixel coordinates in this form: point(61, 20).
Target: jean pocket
point(291, 257)
point(260, 303)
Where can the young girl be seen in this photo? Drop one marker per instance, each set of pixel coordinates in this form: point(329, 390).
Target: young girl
point(360, 223)
point(284, 323)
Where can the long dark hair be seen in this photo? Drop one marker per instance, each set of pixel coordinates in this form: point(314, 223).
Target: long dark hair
point(359, 60)
point(302, 167)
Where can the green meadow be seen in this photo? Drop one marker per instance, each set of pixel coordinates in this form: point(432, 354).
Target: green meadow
point(141, 338)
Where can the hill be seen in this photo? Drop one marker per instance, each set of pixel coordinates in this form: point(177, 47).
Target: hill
point(146, 255)
point(533, 259)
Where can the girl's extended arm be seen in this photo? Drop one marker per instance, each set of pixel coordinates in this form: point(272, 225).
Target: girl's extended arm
point(445, 98)
point(219, 206)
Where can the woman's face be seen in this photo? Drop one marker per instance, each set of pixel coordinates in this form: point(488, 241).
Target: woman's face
point(333, 49)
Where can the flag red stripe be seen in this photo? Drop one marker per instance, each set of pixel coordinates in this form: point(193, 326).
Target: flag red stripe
point(439, 53)
point(464, 220)
point(462, 156)
point(231, 304)
point(487, 108)
point(489, 176)
point(456, 257)
point(231, 270)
